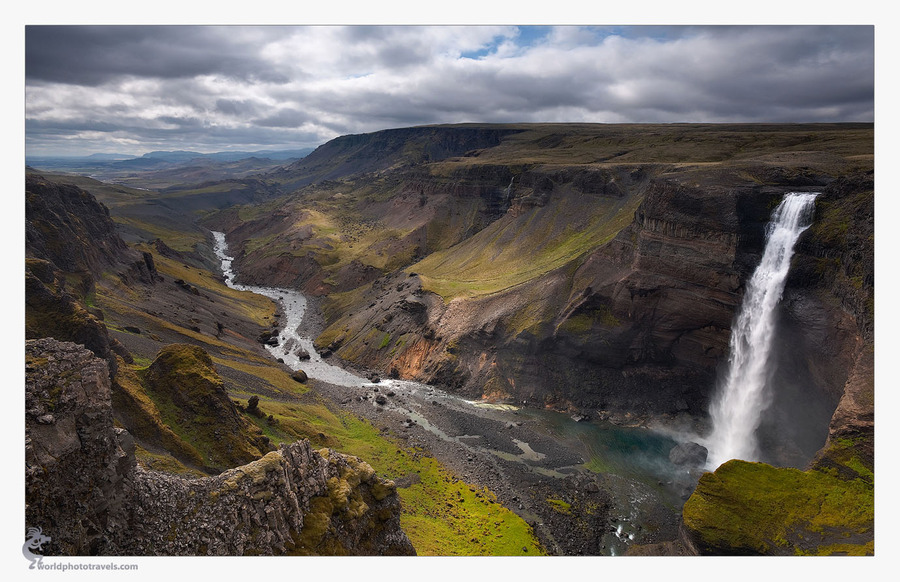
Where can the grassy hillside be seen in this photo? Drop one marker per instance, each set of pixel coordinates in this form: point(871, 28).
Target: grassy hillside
point(516, 249)
point(442, 515)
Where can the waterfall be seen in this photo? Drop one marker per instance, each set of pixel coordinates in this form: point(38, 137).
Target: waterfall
point(742, 396)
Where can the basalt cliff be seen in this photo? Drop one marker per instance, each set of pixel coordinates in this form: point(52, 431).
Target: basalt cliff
point(594, 269)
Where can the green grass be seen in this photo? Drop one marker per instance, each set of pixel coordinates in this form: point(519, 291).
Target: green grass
point(514, 250)
point(442, 515)
point(273, 375)
point(560, 506)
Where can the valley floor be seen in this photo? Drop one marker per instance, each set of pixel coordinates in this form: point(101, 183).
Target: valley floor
point(513, 454)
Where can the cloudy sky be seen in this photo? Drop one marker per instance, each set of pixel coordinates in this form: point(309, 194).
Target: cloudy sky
point(135, 89)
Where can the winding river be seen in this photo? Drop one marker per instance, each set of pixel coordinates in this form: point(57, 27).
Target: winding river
point(636, 454)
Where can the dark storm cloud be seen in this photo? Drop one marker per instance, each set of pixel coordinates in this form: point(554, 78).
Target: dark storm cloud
point(284, 118)
point(299, 86)
point(91, 55)
point(235, 108)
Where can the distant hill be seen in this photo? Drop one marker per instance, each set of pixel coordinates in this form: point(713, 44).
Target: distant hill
point(163, 169)
point(96, 162)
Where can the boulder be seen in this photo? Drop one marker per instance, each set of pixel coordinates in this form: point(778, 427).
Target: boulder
point(300, 376)
point(690, 453)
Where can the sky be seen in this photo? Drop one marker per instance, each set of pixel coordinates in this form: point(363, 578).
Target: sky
point(135, 89)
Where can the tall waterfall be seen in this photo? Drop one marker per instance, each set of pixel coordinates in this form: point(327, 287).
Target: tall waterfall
point(742, 397)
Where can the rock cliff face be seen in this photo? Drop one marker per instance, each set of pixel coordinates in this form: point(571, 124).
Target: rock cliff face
point(637, 325)
point(86, 491)
point(828, 326)
point(68, 227)
point(574, 282)
point(70, 242)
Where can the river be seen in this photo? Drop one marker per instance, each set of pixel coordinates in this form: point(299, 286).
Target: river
point(541, 443)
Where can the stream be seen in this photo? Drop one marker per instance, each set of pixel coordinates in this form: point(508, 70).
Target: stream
point(635, 460)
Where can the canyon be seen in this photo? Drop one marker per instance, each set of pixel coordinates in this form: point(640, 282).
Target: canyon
point(591, 271)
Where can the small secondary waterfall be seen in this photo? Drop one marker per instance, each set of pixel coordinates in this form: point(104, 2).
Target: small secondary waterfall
point(742, 397)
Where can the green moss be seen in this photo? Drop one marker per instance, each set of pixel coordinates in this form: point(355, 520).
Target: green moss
point(560, 506)
point(192, 402)
point(755, 508)
point(316, 522)
point(381, 489)
point(256, 471)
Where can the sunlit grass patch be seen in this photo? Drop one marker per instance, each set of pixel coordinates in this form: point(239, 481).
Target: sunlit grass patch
point(442, 515)
point(514, 250)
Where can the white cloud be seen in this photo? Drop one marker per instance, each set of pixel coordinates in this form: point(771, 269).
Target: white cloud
point(299, 85)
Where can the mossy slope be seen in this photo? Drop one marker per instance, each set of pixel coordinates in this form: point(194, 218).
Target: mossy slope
point(442, 515)
point(755, 509)
point(191, 399)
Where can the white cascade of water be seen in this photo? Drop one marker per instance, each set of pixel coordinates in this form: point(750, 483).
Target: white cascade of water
point(742, 397)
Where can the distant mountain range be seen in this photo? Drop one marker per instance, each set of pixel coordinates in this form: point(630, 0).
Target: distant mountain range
point(159, 157)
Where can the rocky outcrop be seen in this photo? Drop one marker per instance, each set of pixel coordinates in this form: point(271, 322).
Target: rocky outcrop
point(70, 228)
point(183, 383)
point(53, 309)
point(87, 493)
point(755, 509)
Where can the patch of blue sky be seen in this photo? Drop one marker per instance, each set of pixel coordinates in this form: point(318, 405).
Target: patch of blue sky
point(528, 36)
point(531, 35)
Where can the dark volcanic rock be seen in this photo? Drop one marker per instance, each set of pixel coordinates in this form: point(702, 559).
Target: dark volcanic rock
point(70, 228)
point(691, 454)
point(52, 309)
point(85, 490)
point(77, 473)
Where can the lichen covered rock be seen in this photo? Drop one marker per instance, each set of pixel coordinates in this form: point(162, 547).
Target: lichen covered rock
point(755, 509)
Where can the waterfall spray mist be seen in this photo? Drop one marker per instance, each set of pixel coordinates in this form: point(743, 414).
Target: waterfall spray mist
point(743, 396)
